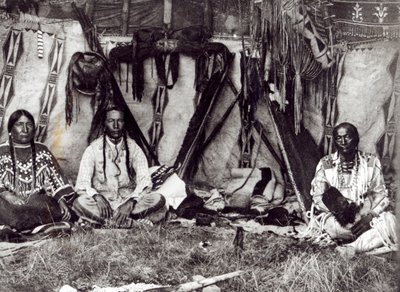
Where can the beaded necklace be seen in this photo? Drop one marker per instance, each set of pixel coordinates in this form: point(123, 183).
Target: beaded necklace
point(353, 167)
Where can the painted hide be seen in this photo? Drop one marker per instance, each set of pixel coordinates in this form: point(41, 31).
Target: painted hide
point(31, 80)
point(68, 143)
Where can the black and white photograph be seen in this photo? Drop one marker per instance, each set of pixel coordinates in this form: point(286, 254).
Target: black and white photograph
point(199, 145)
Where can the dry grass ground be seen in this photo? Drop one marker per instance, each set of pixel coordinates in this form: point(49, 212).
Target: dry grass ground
point(169, 255)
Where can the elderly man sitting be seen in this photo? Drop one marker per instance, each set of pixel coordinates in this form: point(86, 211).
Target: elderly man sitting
point(350, 197)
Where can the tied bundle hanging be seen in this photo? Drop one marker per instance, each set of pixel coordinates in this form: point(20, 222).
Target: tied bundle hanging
point(165, 46)
point(88, 75)
point(280, 50)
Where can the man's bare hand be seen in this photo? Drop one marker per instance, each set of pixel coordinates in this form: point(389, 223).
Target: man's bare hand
point(104, 206)
point(64, 210)
point(362, 225)
point(123, 212)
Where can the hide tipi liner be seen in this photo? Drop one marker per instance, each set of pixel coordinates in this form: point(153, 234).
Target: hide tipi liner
point(132, 126)
point(12, 50)
point(187, 156)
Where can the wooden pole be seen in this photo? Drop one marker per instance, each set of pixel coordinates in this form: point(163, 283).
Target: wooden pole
point(90, 9)
point(168, 13)
point(125, 17)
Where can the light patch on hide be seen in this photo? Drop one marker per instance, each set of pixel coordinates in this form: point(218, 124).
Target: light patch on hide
point(223, 153)
point(179, 110)
point(314, 123)
point(364, 90)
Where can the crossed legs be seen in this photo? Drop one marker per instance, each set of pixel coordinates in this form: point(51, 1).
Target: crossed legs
point(152, 206)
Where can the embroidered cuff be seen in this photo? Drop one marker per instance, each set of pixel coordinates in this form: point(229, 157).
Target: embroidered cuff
point(67, 193)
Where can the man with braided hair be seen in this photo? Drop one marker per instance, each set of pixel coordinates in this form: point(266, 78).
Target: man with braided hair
point(33, 190)
point(350, 197)
point(114, 181)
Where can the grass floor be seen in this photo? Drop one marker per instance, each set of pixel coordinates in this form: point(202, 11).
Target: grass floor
point(169, 255)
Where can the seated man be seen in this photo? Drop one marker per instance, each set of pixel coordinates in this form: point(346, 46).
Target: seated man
point(33, 190)
point(350, 197)
point(114, 180)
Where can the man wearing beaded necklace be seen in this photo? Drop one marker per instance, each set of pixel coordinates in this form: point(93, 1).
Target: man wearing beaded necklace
point(350, 197)
point(33, 189)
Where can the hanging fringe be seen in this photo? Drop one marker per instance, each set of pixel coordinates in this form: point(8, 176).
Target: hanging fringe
point(354, 30)
point(173, 68)
point(282, 72)
point(87, 74)
point(137, 70)
point(127, 78)
point(298, 103)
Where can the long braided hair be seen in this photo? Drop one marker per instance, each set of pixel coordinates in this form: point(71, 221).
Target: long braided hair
point(125, 139)
point(15, 116)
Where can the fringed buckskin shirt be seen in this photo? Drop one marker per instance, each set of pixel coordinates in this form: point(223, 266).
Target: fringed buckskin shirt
point(364, 185)
point(48, 173)
point(116, 186)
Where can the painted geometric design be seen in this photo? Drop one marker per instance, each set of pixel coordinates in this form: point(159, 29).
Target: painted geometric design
point(246, 139)
point(160, 100)
point(55, 61)
point(12, 50)
point(245, 156)
point(329, 124)
point(311, 37)
point(388, 139)
point(365, 19)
